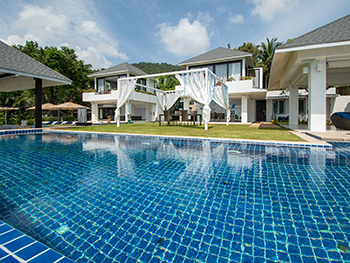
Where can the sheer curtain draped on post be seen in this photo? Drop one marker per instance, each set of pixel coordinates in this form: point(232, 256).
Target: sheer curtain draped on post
point(197, 87)
point(166, 99)
point(220, 96)
point(125, 87)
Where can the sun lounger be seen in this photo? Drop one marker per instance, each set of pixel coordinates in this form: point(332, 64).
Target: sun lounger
point(341, 120)
point(47, 123)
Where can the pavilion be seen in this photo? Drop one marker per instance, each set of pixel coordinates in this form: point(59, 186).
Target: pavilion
point(20, 72)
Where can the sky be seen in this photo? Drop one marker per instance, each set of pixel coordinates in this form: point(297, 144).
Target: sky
point(105, 33)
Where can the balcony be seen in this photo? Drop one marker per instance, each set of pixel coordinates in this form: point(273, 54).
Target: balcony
point(112, 97)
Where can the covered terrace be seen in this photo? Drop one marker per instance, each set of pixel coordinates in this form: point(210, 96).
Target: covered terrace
point(315, 61)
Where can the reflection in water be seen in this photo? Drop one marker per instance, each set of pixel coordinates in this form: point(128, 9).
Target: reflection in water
point(94, 196)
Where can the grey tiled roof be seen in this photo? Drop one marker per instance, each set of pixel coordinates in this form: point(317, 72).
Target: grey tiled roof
point(336, 31)
point(215, 54)
point(16, 61)
point(121, 67)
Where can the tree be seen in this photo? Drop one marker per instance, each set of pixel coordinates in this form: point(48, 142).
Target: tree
point(254, 50)
point(266, 55)
point(66, 62)
point(152, 68)
point(166, 83)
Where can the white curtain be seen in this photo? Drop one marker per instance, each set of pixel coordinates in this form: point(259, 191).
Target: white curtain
point(125, 87)
point(221, 71)
point(166, 99)
point(195, 85)
point(220, 96)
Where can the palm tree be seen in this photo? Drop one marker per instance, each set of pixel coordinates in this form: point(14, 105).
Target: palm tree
point(266, 55)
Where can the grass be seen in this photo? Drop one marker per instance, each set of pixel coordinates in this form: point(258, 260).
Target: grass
point(214, 131)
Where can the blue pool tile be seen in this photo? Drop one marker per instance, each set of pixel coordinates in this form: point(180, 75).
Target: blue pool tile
point(19, 243)
point(31, 251)
point(49, 256)
point(9, 259)
point(65, 260)
point(6, 237)
point(4, 228)
point(2, 253)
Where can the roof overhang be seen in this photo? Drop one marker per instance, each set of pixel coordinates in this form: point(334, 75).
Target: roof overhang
point(11, 80)
point(289, 66)
point(112, 73)
point(225, 59)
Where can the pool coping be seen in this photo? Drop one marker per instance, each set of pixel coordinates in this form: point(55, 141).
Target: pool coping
point(16, 249)
point(310, 143)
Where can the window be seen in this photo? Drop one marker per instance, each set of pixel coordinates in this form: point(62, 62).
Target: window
point(142, 82)
point(234, 70)
point(275, 107)
point(101, 85)
point(224, 70)
point(281, 107)
point(278, 107)
point(221, 71)
point(301, 106)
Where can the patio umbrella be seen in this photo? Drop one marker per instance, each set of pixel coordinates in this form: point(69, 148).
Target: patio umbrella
point(46, 106)
point(68, 106)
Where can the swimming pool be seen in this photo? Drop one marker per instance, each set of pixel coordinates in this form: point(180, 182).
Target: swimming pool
point(99, 198)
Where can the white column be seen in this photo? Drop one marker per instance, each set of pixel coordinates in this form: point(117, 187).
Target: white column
point(127, 110)
point(186, 103)
point(268, 110)
point(244, 108)
point(94, 111)
point(243, 68)
point(293, 106)
point(317, 96)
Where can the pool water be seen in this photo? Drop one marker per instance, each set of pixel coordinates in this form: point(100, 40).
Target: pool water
point(100, 198)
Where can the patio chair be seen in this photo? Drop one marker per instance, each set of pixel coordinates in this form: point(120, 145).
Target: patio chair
point(184, 116)
point(167, 116)
point(212, 116)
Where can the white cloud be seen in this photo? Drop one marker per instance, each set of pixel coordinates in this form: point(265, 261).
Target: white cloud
point(185, 39)
point(269, 9)
point(236, 19)
point(204, 18)
point(58, 23)
point(221, 9)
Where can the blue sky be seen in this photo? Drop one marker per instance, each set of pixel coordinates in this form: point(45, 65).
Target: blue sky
point(109, 32)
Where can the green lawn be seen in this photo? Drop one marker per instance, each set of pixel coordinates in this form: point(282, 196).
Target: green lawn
point(214, 131)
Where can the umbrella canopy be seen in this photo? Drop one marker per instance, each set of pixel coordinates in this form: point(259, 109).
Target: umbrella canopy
point(8, 108)
point(46, 106)
point(69, 106)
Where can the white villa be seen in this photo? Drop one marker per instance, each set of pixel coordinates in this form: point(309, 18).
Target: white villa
point(236, 69)
point(141, 103)
point(302, 84)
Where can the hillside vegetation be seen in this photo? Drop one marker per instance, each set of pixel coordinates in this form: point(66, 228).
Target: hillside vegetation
point(153, 68)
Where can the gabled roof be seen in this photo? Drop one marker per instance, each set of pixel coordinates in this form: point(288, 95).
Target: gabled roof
point(118, 69)
point(336, 31)
point(219, 54)
point(14, 62)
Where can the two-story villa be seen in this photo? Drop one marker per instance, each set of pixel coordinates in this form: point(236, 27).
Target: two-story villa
point(244, 81)
point(142, 102)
